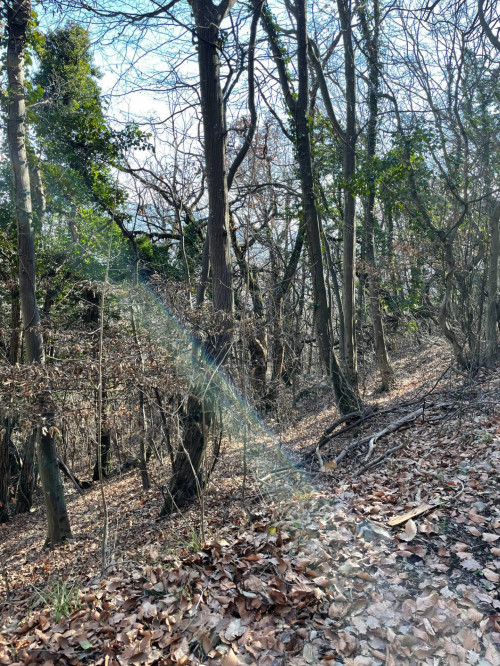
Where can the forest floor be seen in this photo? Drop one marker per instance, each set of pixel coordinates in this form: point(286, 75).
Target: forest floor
point(314, 575)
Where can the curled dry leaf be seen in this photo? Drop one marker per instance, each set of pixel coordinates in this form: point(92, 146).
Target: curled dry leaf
point(410, 531)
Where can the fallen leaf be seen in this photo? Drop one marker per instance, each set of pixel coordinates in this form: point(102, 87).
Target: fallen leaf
point(490, 538)
point(491, 575)
point(410, 531)
point(234, 630)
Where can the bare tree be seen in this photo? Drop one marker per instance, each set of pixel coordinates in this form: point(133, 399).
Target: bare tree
point(371, 40)
point(298, 105)
point(18, 17)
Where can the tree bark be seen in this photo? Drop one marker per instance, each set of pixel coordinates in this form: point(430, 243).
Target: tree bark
point(446, 303)
point(346, 396)
point(4, 471)
point(26, 483)
point(18, 17)
point(257, 343)
point(208, 18)
point(492, 317)
point(371, 38)
point(349, 166)
point(146, 485)
point(59, 529)
point(105, 447)
point(16, 334)
point(40, 200)
point(205, 270)
point(187, 474)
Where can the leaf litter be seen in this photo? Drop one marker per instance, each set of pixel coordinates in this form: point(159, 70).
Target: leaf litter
point(318, 578)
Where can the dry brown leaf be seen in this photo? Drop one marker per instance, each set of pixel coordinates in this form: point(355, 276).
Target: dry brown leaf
point(475, 615)
point(424, 602)
point(491, 575)
point(231, 659)
point(476, 518)
point(471, 564)
point(490, 538)
point(410, 531)
point(492, 655)
point(473, 530)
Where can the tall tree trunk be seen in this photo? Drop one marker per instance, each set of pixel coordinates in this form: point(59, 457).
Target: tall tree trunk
point(18, 17)
point(371, 38)
point(146, 485)
point(208, 18)
point(187, 474)
point(349, 166)
point(446, 303)
point(346, 396)
point(492, 317)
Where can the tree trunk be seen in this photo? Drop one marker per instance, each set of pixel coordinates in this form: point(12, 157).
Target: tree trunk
point(346, 396)
point(257, 343)
point(371, 38)
point(492, 317)
point(146, 485)
point(208, 18)
point(205, 270)
point(186, 471)
point(4, 471)
point(349, 165)
point(105, 447)
point(143, 464)
point(18, 17)
point(446, 303)
point(187, 474)
point(16, 335)
point(40, 200)
point(281, 288)
point(26, 483)
point(59, 529)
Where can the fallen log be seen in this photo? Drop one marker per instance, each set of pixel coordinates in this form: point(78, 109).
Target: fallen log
point(392, 427)
point(67, 472)
point(371, 439)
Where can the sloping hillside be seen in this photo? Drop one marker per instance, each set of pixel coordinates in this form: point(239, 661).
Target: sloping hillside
point(322, 576)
